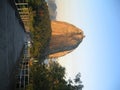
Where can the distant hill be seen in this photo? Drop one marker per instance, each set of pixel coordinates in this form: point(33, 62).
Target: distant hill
point(52, 9)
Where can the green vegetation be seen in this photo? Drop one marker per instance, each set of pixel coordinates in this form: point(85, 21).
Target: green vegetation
point(52, 77)
point(40, 28)
point(42, 76)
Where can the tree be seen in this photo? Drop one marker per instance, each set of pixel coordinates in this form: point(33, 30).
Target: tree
point(40, 29)
point(78, 82)
point(51, 77)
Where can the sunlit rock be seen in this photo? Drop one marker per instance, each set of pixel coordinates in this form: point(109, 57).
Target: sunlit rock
point(65, 38)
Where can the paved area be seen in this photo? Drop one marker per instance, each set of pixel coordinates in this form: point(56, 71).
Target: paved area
point(12, 37)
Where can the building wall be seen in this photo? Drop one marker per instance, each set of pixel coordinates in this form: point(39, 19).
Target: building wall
point(12, 36)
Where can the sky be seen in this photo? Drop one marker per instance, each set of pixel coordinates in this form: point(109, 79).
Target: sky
point(98, 56)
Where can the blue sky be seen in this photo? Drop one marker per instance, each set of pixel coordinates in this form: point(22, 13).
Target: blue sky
point(98, 56)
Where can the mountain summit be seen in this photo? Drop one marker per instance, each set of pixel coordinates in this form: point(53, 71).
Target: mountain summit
point(65, 38)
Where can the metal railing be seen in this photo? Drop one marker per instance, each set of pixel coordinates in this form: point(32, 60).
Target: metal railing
point(22, 70)
point(22, 7)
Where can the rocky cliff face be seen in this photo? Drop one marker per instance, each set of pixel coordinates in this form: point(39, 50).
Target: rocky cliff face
point(65, 38)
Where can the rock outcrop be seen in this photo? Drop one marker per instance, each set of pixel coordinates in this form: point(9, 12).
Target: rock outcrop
point(65, 38)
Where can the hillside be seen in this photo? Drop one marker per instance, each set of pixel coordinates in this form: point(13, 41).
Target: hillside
point(51, 38)
point(40, 28)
